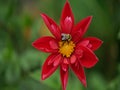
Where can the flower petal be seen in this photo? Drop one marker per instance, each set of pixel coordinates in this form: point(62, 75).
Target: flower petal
point(67, 18)
point(57, 60)
point(94, 43)
point(77, 36)
point(64, 76)
point(79, 71)
point(52, 26)
point(48, 67)
point(83, 43)
point(88, 58)
point(81, 28)
point(73, 59)
point(66, 60)
point(46, 44)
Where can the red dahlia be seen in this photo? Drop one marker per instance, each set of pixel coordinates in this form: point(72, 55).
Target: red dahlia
point(68, 47)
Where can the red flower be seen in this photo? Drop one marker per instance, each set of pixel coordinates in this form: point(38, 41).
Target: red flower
point(68, 47)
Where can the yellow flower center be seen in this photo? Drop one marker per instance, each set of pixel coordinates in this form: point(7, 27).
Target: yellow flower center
point(66, 48)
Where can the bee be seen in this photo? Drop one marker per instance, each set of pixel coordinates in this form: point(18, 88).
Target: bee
point(66, 37)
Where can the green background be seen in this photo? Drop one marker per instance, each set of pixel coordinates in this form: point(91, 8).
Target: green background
point(21, 24)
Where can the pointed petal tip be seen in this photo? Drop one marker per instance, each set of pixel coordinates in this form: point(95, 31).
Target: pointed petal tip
point(51, 25)
point(33, 44)
point(101, 41)
point(90, 18)
point(84, 83)
point(42, 15)
point(43, 76)
point(67, 2)
point(64, 89)
point(94, 42)
point(93, 64)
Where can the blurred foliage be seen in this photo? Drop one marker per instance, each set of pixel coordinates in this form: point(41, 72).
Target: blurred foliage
point(20, 25)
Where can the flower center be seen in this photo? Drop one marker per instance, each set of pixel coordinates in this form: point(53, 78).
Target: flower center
point(66, 46)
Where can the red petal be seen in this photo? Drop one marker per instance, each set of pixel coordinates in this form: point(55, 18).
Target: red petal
point(65, 63)
point(77, 36)
point(73, 59)
point(79, 71)
point(64, 76)
point(81, 27)
point(83, 43)
point(48, 67)
point(57, 60)
point(67, 18)
point(65, 60)
point(52, 26)
point(88, 58)
point(46, 44)
point(94, 43)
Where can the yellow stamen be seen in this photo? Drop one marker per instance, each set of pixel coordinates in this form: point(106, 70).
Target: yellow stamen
point(66, 48)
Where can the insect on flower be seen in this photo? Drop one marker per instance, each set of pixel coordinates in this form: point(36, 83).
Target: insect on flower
point(68, 47)
point(65, 37)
